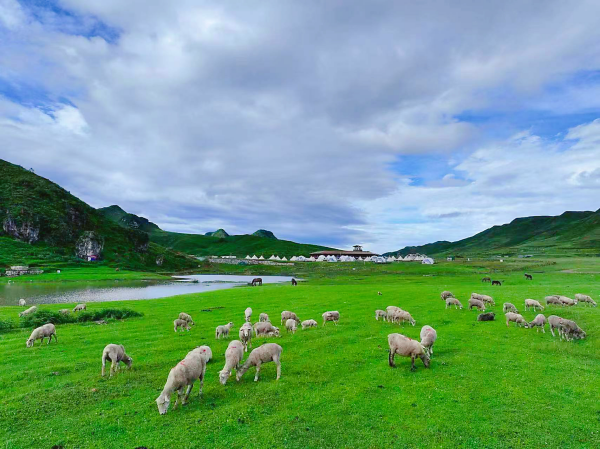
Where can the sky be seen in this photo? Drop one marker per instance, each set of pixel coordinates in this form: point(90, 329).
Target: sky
point(378, 123)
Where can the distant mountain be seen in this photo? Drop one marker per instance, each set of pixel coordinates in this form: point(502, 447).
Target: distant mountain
point(126, 220)
point(219, 233)
point(265, 234)
point(568, 233)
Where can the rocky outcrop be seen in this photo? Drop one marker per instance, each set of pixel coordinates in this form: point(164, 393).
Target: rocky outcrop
point(28, 230)
point(160, 259)
point(89, 244)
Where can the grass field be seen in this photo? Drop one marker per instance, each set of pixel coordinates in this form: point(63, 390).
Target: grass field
point(488, 385)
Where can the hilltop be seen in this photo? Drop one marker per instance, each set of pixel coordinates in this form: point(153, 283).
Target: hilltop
point(568, 233)
point(219, 233)
point(264, 233)
point(126, 220)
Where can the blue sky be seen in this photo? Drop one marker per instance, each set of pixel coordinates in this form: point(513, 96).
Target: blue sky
point(334, 123)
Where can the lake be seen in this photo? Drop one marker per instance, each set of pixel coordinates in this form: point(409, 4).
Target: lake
point(105, 291)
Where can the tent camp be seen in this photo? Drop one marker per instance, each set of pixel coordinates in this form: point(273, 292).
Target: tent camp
point(427, 261)
point(331, 259)
point(294, 259)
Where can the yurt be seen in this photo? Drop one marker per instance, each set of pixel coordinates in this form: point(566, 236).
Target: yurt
point(427, 261)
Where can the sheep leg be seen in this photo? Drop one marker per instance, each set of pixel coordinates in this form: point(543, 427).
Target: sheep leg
point(413, 367)
point(187, 393)
point(55, 338)
point(201, 381)
point(552, 331)
point(103, 366)
point(278, 362)
point(112, 368)
point(257, 371)
point(391, 359)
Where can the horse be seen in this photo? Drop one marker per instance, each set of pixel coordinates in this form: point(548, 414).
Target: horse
point(486, 279)
point(528, 277)
point(496, 283)
point(256, 281)
point(294, 281)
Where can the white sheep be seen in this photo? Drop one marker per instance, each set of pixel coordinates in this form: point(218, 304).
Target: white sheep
point(538, 321)
point(22, 302)
point(308, 323)
point(223, 330)
point(452, 301)
point(184, 374)
point(484, 298)
point(286, 315)
point(586, 299)
point(29, 311)
point(263, 317)
point(567, 301)
point(79, 307)
point(266, 329)
point(245, 334)
point(391, 309)
point(181, 324)
point(269, 352)
point(401, 317)
point(248, 314)
point(406, 347)
point(568, 329)
point(47, 330)
point(446, 294)
point(233, 357)
point(509, 307)
point(428, 337)
point(115, 354)
point(516, 318)
point(291, 326)
point(533, 303)
point(381, 314)
point(187, 318)
point(64, 311)
point(554, 322)
point(553, 299)
point(478, 304)
point(331, 316)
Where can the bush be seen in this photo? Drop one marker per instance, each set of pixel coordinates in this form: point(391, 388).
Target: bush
point(45, 316)
point(6, 325)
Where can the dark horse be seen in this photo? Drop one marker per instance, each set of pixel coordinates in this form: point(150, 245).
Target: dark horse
point(256, 281)
point(486, 279)
point(528, 277)
point(496, 283)
point(294, 281)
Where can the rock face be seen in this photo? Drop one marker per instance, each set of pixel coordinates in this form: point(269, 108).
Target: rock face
point(89, 244)
point(159, 260)
point(26, 231)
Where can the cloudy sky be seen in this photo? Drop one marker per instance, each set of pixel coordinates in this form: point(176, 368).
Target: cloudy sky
point(338, 122)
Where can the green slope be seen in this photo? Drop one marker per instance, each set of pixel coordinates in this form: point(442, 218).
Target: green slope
point(42, 222)
point(126, 220)
point(568, 233)
point(219, 233)
point(264, 233)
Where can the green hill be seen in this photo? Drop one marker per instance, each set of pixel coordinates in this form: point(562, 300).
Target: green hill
point(43, 223)
point(568, 233)
point(126, 220)
point(219, 233)
point(265, 234)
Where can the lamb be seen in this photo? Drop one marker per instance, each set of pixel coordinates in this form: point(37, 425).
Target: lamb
point(233, 357)
point(490, 316)
point(223, 330)
point(29, 311)
point(181, 324)
point(428, 337)
point(453, 302)
point(263, 317)
point(446, 294)
point(582, 298)
point(183, 375)
point(381, 314)
point(269, 352)
point(248, 314)
point(553, 299)
point(309, 323)
point(245, 334)
point(406, 347)
point(484, 298)
point(533, 303)
point(402, 316)
point(516, 318)
point(538, 321)
point(291, 326)
point(286, 315)
point(22, 302)
point(567, 301)
point(331, 316)
point(266, 329)
point(115, 354)
point(570, 329)
point(205, 352)
point(64, 311)
point(47, 330)
point(509, 307)
point(479, 305)
point(187, 318)
point(79, 307)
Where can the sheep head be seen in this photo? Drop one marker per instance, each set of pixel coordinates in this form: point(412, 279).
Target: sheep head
point(163, 403)
point(30, 342)
point(223, 376)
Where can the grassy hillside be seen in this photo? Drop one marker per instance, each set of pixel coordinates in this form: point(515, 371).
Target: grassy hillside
point(126, 220)
point(42, 223)
point(569, 233)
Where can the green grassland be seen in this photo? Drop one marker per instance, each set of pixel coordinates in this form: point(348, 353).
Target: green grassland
point(488, 385)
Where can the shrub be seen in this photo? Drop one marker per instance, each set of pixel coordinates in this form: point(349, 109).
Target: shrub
point(45, 316)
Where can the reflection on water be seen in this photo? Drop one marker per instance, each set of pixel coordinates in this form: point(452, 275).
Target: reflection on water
point(99, 291)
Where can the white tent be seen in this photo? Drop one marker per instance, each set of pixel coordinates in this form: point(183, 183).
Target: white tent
point(331, 259)
point(248, 257)
point(373, 258)
point(321, 258)
point(399, 258)
point(391, 259)
point(409, 257)
point(254, 257)
point(272, 257)
point(284, 258)
point(261, 257)
point(311, 259)
point(427, 261)
point(301, 259)
point(293, 258)
point(277, 258)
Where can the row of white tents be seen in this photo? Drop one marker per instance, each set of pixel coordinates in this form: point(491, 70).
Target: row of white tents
point(377, 259)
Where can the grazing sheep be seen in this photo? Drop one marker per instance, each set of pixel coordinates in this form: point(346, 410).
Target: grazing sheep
point(553, 299)
point(286, 315)
point(568, 329)
point(263, 317)
point(446, 294)
point(509, 307)
point(478, 304)
point(248, 314)
point(184, 374)
point(516, 318)
point(538, 321)
point(291, 326)
point(554, 322)
point(406, 347)
point(428, 337)
point(47, 330)
point(64, 311)
point(181, 324)
point(381, 314)
point(233, 357)
point(486, 316)
point(223, 330)
point(453, 302)
point(533, 303)
point(496, 283)
point(22, 302)
point(486, 279)
point(266, 329)
point(379, 293)
point(484, 298)
point(29, 311)
point(402, 316)
point(79, 307)
point(115, 354)
point(567, 301)
point(269, 352)
point(245, 334)
point(187, 318)
point(205, 352)
point(586, 299)
point(528, 277)
point(309, 323)
point(331, 316)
